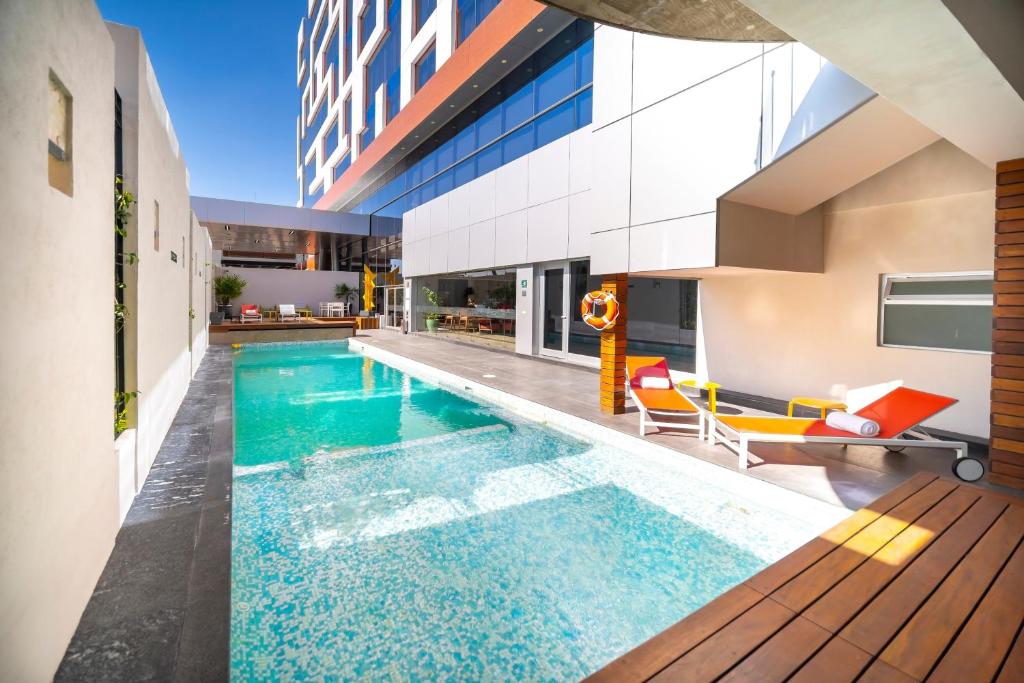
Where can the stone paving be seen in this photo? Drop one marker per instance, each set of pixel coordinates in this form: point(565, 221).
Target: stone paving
point(160, 609)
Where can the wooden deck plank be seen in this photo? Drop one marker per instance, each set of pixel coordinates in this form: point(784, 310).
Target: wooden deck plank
point(924, 638)
point(1013, 667)
point(837, 662)
point(925, 581)
point(846, 598)
point(782, 654)
point(880, 672)
point(655, 654)
point(803, 557)
point(723, 650)
point(811, 584)
point(880, 620)
point(978, 650)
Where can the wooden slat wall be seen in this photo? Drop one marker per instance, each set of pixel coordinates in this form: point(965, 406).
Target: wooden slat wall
point(613, 350)
point(1006, 447)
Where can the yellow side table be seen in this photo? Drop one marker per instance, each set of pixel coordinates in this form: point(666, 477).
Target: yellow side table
point(822, 404)
point(710, 387)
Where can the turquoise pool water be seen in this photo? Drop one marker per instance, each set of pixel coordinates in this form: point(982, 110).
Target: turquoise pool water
point(384, 528)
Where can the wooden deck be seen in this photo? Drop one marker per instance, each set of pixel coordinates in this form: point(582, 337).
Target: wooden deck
point(300, 324)
point(926, 583)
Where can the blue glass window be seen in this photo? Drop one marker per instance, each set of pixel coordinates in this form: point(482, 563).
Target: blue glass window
point(331, 138)
point(342, 166)
point(517, 143)
point(310, 198)
point(392, 96)
point(584, 64)
point(314, 127)
point(370, 132)
point(346, 116)
point(425, 67)
point(584, 108)
point(423, 9)
point(518, 107)
point(556, 123)
point(367, 22)
point(346, 55)
point(488, 160)
point(557, 82)
point(488, 127)
point(469, 15)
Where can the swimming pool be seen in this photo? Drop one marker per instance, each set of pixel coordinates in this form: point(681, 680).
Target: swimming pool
point(384, 527)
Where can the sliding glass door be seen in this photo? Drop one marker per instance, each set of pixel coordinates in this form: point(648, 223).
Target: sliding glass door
point(563, 333)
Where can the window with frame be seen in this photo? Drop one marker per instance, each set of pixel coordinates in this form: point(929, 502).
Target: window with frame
point(422, 10)
point(942, 311)
point(425, 67)
point(367, 22)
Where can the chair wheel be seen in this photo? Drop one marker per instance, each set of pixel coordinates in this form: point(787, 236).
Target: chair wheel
point(895, 449)
point(968, 469)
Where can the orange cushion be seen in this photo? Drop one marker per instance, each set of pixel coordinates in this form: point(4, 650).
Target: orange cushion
point(756, 424)
point(665, 400)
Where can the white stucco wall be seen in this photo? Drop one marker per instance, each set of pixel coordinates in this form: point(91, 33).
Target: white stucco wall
point(267, 287)
point(58, 499)
point(784, 335)
point(200, 293)
point(159, 323)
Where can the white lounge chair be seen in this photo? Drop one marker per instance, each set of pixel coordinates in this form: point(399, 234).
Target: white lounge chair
point(287, 312)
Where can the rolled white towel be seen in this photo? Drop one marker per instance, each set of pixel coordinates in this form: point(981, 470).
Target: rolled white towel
point(855, 424)
point(649, 382)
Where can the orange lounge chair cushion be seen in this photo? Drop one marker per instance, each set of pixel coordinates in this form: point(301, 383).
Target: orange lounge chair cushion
point(896, 412)
point(664, 400)
point(756, 424)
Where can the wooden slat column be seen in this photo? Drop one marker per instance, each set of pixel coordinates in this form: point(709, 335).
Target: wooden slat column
point(613, 350)
point(1006, 446)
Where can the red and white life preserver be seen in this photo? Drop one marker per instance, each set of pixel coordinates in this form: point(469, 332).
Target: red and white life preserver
point(599, 300)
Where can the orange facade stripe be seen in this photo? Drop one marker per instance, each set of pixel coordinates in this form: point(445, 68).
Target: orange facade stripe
point(502, 25)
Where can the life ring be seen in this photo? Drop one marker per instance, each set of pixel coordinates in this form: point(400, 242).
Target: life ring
point(594, 300)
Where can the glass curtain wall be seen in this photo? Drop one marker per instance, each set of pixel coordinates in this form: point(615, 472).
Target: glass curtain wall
point(544, 98)
point(474, 303)
point(663, 320)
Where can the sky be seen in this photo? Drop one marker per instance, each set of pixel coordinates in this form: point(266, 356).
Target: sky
point(227, 73)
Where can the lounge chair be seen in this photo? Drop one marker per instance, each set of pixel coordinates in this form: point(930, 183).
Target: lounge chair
point(654, 402)
point(250, 313)
point(898, 414)
point(287, 312)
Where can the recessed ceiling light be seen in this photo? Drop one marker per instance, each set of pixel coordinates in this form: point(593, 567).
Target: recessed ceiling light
point(451, 106)
point(540, 29)
point(504, 61)
point(475, 85)
point(431, 121)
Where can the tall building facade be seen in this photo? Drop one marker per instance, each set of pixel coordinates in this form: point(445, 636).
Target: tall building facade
point(509, 155)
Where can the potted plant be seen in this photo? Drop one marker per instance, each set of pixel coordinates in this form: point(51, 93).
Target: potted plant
point(434, 300)
point(343, 293)
point(226, 288)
